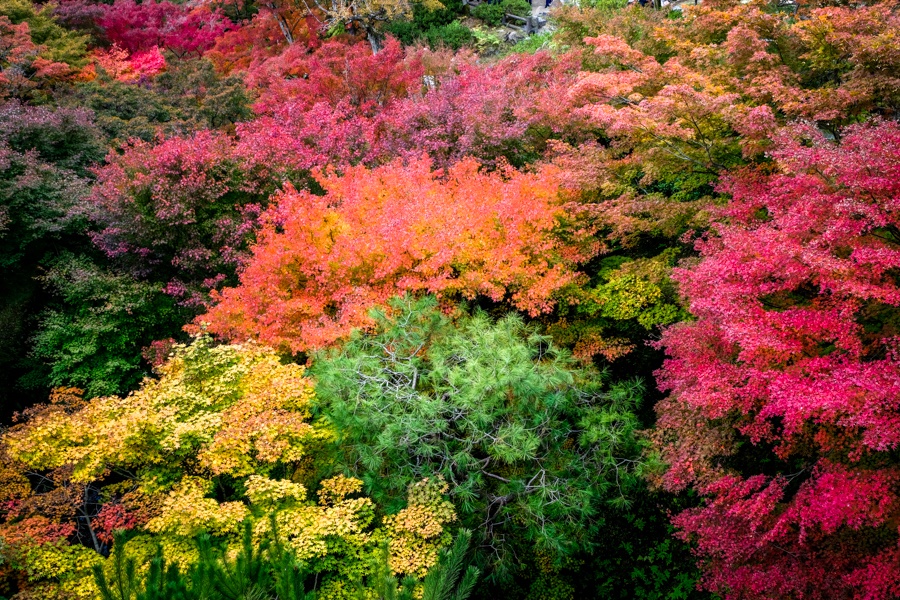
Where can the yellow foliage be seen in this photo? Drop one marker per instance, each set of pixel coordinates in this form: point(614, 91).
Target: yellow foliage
point(263, 491)
point(62, 571)
point(186, 511)
point(337, 488)
point(417, 532)
point(309, 530)
point(231, 410)
point(235, 407)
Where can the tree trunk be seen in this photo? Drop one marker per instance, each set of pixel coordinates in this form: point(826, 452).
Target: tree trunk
point(374, 40)
point(282, 24)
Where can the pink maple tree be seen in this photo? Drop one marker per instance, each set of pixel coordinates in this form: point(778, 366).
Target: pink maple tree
point(120, 66)
point(176, 27)
point(783, 409)
point(182, 209)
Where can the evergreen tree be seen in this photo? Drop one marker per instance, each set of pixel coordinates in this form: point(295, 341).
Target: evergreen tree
point(531, 444)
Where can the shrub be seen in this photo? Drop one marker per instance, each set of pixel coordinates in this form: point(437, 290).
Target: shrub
point(517, 7)
point(491, 14)
point(437, 27)
point(93, 336)
point(454, 36)
point(223, 437)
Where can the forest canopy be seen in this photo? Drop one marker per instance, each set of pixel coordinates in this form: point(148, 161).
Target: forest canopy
point(345, 300)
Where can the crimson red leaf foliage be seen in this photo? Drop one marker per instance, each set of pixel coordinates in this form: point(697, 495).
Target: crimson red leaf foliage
point(783, 407)
point(321, 262)
point(334, 73)
point(318, 108)
point(176, 27)
point(253, 41)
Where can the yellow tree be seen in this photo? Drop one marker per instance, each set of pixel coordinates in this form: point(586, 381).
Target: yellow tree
point(220, 438)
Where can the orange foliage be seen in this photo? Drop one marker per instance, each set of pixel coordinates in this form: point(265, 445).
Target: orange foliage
point(323, 261)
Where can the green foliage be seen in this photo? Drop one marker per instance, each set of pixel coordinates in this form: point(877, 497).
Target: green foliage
point(447, 580)
point(491, 14)
point(435, 27)
point(517, 7)
point(425, 18)
point(532, 43)
point(267, 570)
point(61, 44)
point(452, 578)
point(606, 5)
point(257, 572)
point(35, 200)
point(486, 42)
point(45, 158)
point(405, 31)
point(639, 559)
point(630, 298)
point(238, 416)
point(64, 138)
point(636, 289)
point(92, 336)
point(215, 99)
point(534, 446)
point(454, 36)
point(188, 97)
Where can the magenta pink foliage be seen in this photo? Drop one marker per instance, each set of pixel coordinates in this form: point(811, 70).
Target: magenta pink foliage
point(341, 106)
point(183, 209)
point(149, 62)
point(795, 348)
point(176, 27)
point(485, 111)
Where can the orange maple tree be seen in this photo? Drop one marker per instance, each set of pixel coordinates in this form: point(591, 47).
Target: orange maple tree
point(321, 262)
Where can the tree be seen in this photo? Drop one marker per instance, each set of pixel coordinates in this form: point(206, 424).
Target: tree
point(781, 408)
point(262, 570)
point(181, 30)
point(532, 445)
point(335, 73)
point(92, 336)
point(364, 16)
point(238, 49)
point(340, 105)
point(502, 111)
point(222, 437)
point(116, 63)
point(321, 262)
point(294, 18)
point(185, 97)
point(57, 43)
point(179, 212)
point(24, 72)
point(318, 109)
point(44, 166)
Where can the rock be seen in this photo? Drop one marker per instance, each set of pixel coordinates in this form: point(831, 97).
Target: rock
point(514, 36)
